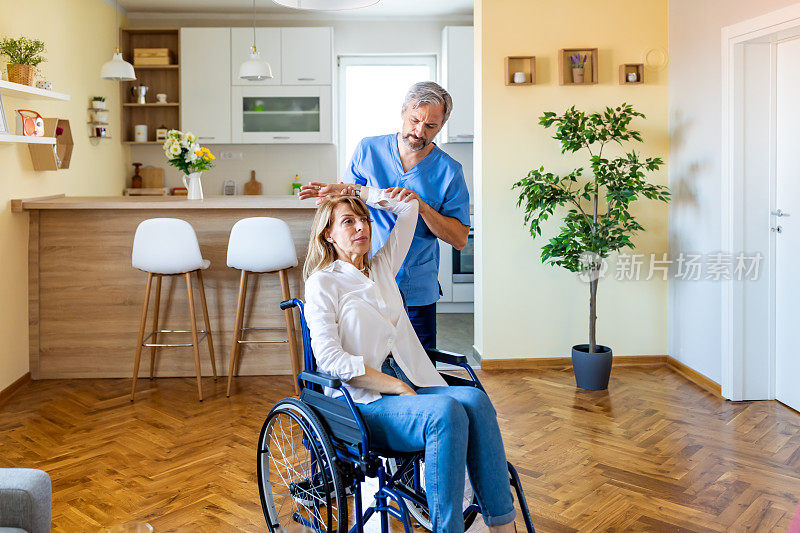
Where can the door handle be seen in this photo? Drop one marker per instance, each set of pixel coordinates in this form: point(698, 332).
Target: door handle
point(306, 79)
point(777, 229)
point(779, 213)
point(206, 137)
point(281, 137)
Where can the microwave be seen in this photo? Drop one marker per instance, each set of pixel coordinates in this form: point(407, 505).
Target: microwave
point(282, 114)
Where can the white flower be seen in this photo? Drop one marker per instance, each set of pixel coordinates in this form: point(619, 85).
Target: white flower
point(191, 137)
point(174, 150)
point(191, 157)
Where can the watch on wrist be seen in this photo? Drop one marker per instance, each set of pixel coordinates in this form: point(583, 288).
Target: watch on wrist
point(357, 189)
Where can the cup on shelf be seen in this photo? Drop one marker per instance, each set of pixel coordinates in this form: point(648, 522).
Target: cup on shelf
point(632, 77)
point(161, 98)
point(520, 77)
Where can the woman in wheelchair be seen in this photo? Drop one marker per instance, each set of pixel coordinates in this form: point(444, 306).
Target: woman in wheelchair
point(357, 319)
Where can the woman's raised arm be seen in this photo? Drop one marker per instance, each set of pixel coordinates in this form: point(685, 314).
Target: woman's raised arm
point(399, 240)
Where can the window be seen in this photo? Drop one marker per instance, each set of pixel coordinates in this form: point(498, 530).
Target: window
point(371, 96)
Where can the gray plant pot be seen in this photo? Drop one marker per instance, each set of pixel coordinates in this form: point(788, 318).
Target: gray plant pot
point(592, 370)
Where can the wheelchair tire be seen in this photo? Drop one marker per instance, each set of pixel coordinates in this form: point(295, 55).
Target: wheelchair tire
point(298, 481)
point(418, 513)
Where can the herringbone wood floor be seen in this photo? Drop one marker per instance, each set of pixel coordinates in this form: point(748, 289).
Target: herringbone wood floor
point(655, 453)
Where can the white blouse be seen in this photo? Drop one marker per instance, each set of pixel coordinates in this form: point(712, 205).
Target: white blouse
point(357, 320)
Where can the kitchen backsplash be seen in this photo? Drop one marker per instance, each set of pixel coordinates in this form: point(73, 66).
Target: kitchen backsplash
point(275, 165)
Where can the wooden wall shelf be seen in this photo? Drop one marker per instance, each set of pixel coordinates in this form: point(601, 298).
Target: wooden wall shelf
point(19, 90)
point(565, 66)
point(49, 157)
point(526, 64)
point(159, 78)
point(625, 68)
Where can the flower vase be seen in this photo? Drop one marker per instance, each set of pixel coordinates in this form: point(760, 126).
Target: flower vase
point(577, 74)
point(193, 186)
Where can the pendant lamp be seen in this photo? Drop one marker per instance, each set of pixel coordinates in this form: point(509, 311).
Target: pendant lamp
point(117, 69)
point(255, 68)
point(326, 5)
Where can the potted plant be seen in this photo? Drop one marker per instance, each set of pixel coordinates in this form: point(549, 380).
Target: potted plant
point(577, 67)
point(24, 55)
point(598, 220)
point(98, 102)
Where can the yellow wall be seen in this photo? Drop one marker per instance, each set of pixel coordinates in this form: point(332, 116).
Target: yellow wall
point(524, 308)
point(80, 37)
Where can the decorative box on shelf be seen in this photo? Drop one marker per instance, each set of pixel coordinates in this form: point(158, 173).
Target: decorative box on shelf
point(567, 74)
point(53, 156)
point(146, 191)
point(518, 67)
point(631, 73)
point(144, 57)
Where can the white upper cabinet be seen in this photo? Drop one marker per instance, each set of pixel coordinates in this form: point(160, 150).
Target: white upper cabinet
point(458, 79)
point(205, 96)
point(307, 56)
point(268, 42)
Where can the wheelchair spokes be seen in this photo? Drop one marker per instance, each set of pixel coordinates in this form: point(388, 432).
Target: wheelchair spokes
point(299, 487)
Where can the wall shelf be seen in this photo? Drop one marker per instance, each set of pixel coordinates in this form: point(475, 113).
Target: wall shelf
point(565, 66)
point(155, 67)
point(23, 139)
point(625, 68)
point(526, 64)
point(168, 104)
point(19, 90)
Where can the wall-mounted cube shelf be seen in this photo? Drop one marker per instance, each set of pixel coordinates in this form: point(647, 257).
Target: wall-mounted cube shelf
point(631, 68)
point(524, 64)
point(565, 74)
point(53, 157)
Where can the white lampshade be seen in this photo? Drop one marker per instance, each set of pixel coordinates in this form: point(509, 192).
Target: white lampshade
point(117, 69)
point(255, 68)
point(326, 5)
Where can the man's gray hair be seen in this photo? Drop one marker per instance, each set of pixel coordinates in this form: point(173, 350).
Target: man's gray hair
point(429, 93)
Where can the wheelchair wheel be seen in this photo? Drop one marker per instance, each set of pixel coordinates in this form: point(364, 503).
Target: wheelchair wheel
point(420, 513)
point(299, 484)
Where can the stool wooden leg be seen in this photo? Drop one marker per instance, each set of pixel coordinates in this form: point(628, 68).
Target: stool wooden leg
point(155, 326)
point(209, 339)
point(141, 333)
point(237, 328)
point(196, 349)
point(288, 315)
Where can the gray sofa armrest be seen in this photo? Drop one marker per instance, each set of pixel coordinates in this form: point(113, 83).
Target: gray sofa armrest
point(25, 499)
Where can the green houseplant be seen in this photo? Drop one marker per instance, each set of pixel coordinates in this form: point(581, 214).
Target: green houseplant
point(24, 55)
point(598, 220)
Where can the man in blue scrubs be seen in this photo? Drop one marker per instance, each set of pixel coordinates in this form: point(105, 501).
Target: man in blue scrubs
point(411, 164)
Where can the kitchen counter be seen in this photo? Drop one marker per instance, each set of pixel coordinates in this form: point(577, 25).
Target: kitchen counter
point(162, 202)
point(85, 298)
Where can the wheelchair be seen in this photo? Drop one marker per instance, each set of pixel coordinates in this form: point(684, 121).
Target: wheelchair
point(314, 453)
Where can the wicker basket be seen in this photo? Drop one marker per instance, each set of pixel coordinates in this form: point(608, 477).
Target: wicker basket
point(21, 74)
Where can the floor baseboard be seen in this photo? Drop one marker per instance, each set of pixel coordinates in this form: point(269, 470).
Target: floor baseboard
point(9, 391)
point(535, 363)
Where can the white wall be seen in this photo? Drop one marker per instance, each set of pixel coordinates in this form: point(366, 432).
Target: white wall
point(276, 165)
point(694, 171)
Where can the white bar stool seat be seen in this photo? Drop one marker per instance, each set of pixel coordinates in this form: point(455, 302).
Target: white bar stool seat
point(169, 247)
point(260, 245)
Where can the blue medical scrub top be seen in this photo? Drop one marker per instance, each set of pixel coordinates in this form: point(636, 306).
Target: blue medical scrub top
point(439, 180)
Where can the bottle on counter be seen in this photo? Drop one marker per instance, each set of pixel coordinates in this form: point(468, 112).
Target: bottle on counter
point(296, 185)
point(136, 180)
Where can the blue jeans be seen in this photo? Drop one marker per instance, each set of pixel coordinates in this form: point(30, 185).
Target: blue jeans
point(456, 427)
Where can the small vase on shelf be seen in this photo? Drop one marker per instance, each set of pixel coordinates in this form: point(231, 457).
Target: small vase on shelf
point(193, 186)
point(577, 75)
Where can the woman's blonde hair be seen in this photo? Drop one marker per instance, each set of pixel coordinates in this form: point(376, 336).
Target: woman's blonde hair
point(321, 253)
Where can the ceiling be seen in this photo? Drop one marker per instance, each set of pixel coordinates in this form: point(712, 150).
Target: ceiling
point(384, 8)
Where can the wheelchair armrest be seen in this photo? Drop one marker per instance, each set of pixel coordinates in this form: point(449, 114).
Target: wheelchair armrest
point(320, 378)
point(446, 357)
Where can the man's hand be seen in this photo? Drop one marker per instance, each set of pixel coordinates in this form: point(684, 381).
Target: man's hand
point(405, 195)
point(320, 190)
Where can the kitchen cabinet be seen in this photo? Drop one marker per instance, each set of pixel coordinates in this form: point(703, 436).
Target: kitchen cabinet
point(283, 115)
point(306, 56)
point(458, 79)
point(268, 42)
point(205, 95)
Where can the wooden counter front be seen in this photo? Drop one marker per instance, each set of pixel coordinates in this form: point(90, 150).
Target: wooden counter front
point(85, 298)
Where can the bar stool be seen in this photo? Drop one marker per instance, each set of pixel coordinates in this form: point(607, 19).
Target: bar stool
point(168, 247)
point(257, 246)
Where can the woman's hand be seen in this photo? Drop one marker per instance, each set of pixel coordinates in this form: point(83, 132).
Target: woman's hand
point(380, 382)
point(405, 390)
point(320, 190)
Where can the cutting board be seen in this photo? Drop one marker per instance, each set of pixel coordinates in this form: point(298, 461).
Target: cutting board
point(252, 186)
point(152, 177)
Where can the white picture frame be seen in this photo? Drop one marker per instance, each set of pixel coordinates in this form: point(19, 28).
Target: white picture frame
point(3, 122)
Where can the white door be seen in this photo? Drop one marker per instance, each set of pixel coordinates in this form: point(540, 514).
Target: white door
point(268, 43)
point(307, 56)
point(205, 95)
point(787, 241)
